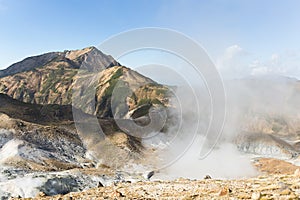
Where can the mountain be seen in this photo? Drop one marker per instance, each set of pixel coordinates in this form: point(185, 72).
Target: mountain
point(42, 144)
point(72, 59)
point(51, 79)
point(38, 137)
point(267, 104)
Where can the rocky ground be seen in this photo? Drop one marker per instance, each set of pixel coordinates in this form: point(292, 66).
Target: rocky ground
point(278, 180)
point(262, 187)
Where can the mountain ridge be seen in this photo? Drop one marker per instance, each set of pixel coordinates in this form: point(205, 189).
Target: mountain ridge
point(56, 81)
point(73, 56)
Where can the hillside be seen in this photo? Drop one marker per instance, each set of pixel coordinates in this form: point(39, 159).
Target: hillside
point(51, 79)
point(35, 113)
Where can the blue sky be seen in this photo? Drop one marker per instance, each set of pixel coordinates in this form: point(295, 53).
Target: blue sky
point(242, 37)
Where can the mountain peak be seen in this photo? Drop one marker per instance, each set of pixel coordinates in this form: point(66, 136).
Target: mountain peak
point(73, 57)
point(73, 54)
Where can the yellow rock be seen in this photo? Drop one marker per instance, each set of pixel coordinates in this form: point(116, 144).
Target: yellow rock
point(41, 194)
point(285, 192)
point(223, 192)
point(243, 196)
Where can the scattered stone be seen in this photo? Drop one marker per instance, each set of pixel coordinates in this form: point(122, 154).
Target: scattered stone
point(297, 173)
point(243, 195)
point(67, 198)
point(100, 184)
point(223, 192)
point(207, 177)
point(194, 189)
point(285, 192)
point(256, 195)
point(41, 194)
point(150, 174)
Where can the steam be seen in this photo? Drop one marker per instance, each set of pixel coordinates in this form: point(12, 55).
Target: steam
point(182, 156)
point(223, 162)
point(252, 104)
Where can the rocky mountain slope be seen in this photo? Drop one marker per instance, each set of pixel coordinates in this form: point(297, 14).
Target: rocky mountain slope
point(39, 142)
point(51, 79)
point(50, 130)
point(35, 113)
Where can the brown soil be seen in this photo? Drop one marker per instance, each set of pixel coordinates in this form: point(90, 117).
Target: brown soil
point(275, 166)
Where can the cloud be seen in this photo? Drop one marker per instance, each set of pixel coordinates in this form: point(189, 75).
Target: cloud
point(232, 51)
point(260, 71)
point(232, 63)
point(275, 58)
point(284, 64)
point(236, 62)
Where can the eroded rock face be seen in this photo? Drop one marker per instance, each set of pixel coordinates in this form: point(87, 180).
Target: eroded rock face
point(265, 145)
point(30, 152)
point(44, 148)
point(52, 147)
point(15, 183)
point(297, 146)
point(31, 184)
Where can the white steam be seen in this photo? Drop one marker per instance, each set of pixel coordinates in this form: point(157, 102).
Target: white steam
point(252, 104)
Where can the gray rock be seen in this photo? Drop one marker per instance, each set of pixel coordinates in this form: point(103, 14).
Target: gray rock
point(265, 145)
point(50, 183)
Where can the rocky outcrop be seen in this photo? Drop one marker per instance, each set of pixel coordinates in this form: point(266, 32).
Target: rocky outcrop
point(37, 147)
point(44, 184)
point(16, 183)
point(52, 142)
point(265, 145)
